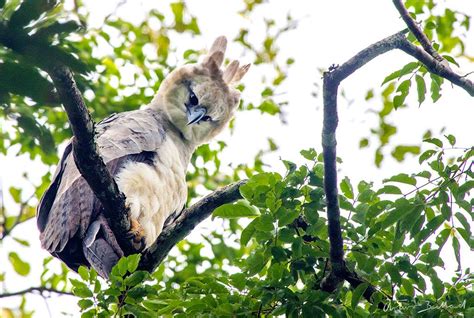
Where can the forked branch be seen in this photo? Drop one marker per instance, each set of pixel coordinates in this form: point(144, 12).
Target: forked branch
point(331, 81)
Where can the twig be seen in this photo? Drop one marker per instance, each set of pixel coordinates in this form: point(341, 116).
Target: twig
point(39, 290)
point(185, 223)
point(331, 81)
point(418, 33)
point(18, 220)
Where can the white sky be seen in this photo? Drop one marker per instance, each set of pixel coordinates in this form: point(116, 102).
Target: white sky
point(329, 32)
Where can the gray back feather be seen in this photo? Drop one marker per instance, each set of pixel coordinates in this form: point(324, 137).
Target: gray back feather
point(68, 205)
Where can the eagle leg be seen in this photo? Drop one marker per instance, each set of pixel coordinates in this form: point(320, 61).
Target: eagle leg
point(137, 235)
point(101, 256)
point(100, 247)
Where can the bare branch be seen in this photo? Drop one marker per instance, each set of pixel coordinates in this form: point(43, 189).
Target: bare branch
point(185, 222)
point(39, 290)
point(331, 81)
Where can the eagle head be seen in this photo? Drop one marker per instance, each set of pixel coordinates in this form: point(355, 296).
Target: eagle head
point(200, 99)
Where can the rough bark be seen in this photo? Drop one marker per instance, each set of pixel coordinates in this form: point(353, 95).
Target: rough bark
point(87, 158)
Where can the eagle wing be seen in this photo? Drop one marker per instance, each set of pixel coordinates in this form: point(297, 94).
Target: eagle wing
point(69, 206)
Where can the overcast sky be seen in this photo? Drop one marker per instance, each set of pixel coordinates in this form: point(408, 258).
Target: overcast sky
point(329, 32)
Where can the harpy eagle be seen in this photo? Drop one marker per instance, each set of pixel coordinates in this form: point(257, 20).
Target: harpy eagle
point(147, 151)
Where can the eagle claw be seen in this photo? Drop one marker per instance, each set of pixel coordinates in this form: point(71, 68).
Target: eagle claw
point(136, 235)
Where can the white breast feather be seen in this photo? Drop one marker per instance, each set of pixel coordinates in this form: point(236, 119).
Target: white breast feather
point(154, 193)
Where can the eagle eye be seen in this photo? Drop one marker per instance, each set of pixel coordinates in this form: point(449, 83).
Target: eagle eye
point(206, 118)
point(193, 100)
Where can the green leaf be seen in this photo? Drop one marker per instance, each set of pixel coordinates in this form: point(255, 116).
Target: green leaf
point(122, 266)
point(135, 278)
point(255, 263)
point(402, 178)
point(400, 151)
point(420, 88)
point(429, 228)
point(30, 10)
point(279, 253)
point(403, 89)
point(264, 223)
point(451, 59)
point(437, 284)
point(389, 189)
point(287, 216)
point(357, 294)
point(408, 68)
point(457, 251)
point(247, 233)
point(399, 212)
point(77, 283)
point(464, 221)
point(464, 188)
point(239, 209)
point(85, 303)
point(25, 80)
point(309, 154)
point(82, 292)
point(451, 139)
point(20, 241)
point(434, 141)
point(346, 188)
point(16, 194)
point(83, 272)
point(21, 267)
point(238, 280)
point(391, 77)
point(132, 262)
point(269, 107)
point(435, 87)
point(426, 155)
point(430, 25)
point(394, 272)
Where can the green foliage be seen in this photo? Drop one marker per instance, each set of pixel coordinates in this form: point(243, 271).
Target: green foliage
point(446, 29)
point(394, 236)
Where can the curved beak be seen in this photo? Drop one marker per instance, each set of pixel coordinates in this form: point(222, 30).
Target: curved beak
point(195, 114)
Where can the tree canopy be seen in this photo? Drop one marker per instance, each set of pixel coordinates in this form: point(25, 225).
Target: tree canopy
point(298, 241)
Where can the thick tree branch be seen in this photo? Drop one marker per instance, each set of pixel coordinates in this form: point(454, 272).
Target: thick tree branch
point(331, 82)
point(418, 33)
point(39, 290)
point(87, 158)
point(185, 222)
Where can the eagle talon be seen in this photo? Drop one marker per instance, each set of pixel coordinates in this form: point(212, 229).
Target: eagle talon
point(136, 235)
